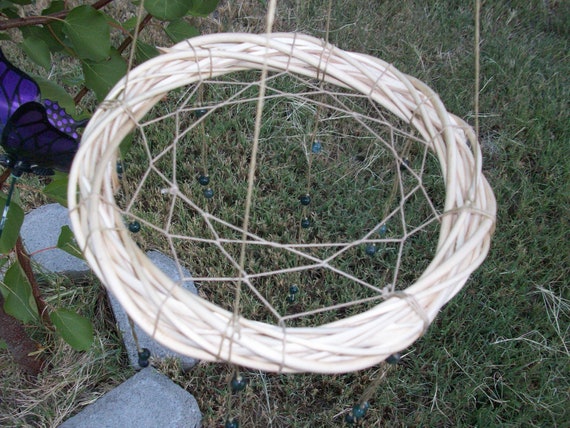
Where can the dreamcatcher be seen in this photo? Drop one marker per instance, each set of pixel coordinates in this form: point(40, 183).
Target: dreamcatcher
point(252, 161)
point(38, 136)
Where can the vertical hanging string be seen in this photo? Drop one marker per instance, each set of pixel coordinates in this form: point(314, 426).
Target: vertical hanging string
point(477, 52)
point(253, 161)
point(250, 183)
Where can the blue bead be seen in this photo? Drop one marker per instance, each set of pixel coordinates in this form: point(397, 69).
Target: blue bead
point(293, 289)
point(371, 249)
point(305, 223)
point(305, 199)
point(134, 226)
point(204, 180)
point(317, 147)
point(382, 230)
point(208, 193)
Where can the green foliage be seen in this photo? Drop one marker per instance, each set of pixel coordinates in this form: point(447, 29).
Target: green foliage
point(75, 329)
point(17, 291)
point(180, 30)
point(57, 189)
point(11, 230)
point(88, 33)
point(167, 10)
point(101, 76)
point(66, 242)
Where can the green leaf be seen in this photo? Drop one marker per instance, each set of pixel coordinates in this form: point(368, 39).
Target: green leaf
point(41, 33)
point(145, 51)
point(180, 30)
point(100, 77)
point(89, 33)
point(38, 51)
point(11, 231)
point(73, 328)
point(167, 10)
point(66, 242)
point(203, 7)
point(3, 344)
point(18, 298)
point(52, 91)
point(57, 189)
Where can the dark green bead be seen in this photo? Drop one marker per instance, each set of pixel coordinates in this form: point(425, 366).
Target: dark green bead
point(371, 249)
point(305, 199)
point(394, 358)
point(200, 112)
point(120, 168)
point(238, 383)
point(293, 289)
point(349, 418)
point(134, 226)
point(231, 423)
point(208, 193)
point(204, 180)
point(144, 356)
point(305, 223)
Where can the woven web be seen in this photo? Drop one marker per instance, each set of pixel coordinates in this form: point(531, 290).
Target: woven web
point(376, 195)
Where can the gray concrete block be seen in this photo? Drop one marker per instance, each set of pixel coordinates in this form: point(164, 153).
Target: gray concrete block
point(148, 399)
point(40, 232)
point(158, 351)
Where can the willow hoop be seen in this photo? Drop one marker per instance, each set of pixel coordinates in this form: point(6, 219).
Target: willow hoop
point(193, 326)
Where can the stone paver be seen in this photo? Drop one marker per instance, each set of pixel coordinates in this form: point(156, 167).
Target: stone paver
point(148, 399)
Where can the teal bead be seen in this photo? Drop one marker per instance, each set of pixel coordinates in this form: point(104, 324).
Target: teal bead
point(208, 193)
point(305, 199)
point(316, 147)
point(394, 358)
point(238, 383)
point(305, 223)
point(371, 249)
point(120, 168)
point(200, 112)
point(382, 230)
point(204, 180)
point(293, 289)
point(231, 423)
point(134, 226)
point(360, 410)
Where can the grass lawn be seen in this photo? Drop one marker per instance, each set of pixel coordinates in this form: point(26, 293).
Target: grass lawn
point(498, 353)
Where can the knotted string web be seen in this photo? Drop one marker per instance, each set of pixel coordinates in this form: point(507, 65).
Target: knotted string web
point(326, 205)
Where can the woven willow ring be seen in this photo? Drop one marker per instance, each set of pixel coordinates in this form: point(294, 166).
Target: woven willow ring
point(193, 326)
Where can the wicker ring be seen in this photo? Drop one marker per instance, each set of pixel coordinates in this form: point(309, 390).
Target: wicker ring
point(193, 326)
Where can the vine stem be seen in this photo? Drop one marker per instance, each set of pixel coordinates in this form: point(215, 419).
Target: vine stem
point(39, 20)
